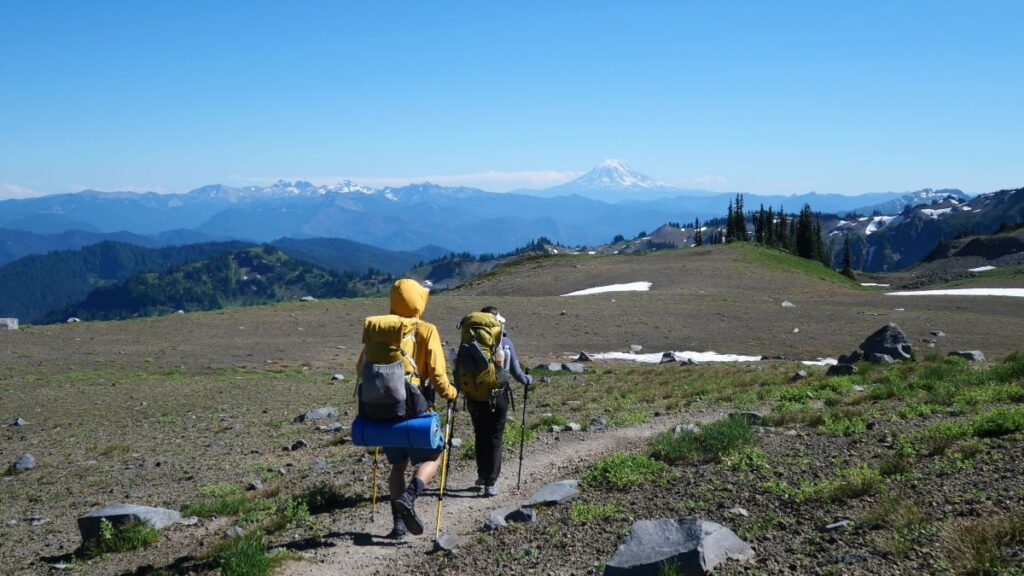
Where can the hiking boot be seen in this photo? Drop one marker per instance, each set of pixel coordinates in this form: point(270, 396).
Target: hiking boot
point(406, 508)
point(399, 531)
point(490, 491)
point(479, 482)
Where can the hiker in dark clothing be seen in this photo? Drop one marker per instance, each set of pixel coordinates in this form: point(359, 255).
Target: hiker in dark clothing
point(489, 415)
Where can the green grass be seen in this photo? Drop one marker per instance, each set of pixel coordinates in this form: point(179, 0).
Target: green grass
point(711, 442)
point(985, 547)
point(852, 483)
point(236, 505)
point(121, 538)
point(631, 418)
point(245, 556)
point(998, 422)
point(545, 422)
point(780, 260)
point(584, 512)
point(624, 471)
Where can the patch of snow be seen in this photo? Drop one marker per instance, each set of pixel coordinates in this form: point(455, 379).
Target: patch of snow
point(982, 269)
point(878, 222)
point(862, 219)
point(966, 208)
point(936, 212)
point(873, 284)
point(1012, 292)
point(630, 287)
point(820, 362)
point(655, 357)
point(592, 252)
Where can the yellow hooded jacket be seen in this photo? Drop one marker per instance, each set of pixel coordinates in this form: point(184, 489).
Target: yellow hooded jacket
point(409, 300)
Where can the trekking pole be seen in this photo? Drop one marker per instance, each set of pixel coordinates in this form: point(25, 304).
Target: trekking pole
point(376, 467)
point(444, 464)
point(522, 437)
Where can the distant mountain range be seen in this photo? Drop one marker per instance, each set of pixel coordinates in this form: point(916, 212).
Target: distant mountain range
point(395, 218)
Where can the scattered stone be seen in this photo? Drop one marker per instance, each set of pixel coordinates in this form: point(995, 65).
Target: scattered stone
point(928, 340)
point(851, 558)
point(332, 427)
point(563, 313)
point(796, 330)
point(938, 333)
point(502, 517)
point(737, 511)
point(572, 427)
point(791, 432)
point(691, 546)
point(73, 320)
point(450, 543)
point(338, 377)
point(889, 339)
point(456, 442)
point(282, 471)
point(308, 299)
point(752, 418)
point(26, 462)
point(8, 324)
point(634, 348)
point(584, 357)
point(876, 358)
point(120, 514)
point(36, 521)
point(551, 367)
point(234, 532)
point(179, 312)
point(788, 304)
point(969, 355)
point(325, 413)
point(773, 357)
point(597, 424)
point(555, 428)
point(841, 370)
point(254, 485)
point(851, 358)
point(669, 357)
point(800, 375)
point(298, 445)
point(574, 367)
point(18, 422)
point(837, 525)
point(858, 388)
point(689, 362)
point(680, 428)
point(555, 493)
point(320, 465)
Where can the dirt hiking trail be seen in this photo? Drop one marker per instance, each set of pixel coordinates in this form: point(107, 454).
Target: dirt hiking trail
point(360, 548)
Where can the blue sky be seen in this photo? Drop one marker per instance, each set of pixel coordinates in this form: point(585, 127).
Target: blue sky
point(773, 97)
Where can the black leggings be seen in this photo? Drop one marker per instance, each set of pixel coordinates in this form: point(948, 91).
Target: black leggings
point(489, 428)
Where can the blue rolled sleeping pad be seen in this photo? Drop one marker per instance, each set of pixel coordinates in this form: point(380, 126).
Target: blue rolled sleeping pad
point(419, 432)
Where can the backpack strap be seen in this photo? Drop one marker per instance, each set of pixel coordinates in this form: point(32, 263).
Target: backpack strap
point(411, 360)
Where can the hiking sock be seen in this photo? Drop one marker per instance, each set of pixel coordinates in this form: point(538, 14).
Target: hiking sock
point(406, 506)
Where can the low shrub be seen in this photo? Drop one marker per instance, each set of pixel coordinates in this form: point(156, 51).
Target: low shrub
point(985, 547)
point(121, 538)
point(584, 512)
point(624, 471)
point(711, 442)
point(861, 480)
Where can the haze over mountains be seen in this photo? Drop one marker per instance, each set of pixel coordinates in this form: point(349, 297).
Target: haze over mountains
point(610, 199)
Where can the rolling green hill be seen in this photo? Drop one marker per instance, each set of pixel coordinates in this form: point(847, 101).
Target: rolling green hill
point(251, 276)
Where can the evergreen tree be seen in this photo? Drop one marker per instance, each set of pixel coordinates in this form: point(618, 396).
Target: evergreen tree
point(730, 231)
point(698, 236)
point(847, 267)
point(804, 233)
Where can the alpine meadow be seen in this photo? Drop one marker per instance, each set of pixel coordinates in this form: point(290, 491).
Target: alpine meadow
point(583, 288)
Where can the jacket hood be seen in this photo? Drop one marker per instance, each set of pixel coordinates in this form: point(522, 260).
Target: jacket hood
point(408, 298)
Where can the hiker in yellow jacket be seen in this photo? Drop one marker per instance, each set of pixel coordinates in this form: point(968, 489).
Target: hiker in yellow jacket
point(409, 300)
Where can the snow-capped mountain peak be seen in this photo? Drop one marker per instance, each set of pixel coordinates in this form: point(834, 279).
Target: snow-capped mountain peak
point(615, 174)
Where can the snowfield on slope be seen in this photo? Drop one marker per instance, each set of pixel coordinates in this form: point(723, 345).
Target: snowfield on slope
point(630, 287)
point(1013, 292)
point(656, 357)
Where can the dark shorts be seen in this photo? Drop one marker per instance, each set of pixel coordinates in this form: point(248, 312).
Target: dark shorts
point(417, 456)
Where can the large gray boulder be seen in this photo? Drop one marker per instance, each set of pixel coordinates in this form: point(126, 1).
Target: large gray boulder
point(890, 340)
point(121, 514)
point(26, 462)
point(325, 413)
point(555, 493)
point(693, 546)
point(574, 367)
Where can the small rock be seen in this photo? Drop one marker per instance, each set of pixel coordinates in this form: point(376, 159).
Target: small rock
point(299, 445)
point(841, 370)
point(555, 428)
point(320, 465)
point(450, 543)
point(254, 485)
point(26, 462)
point(890, 340)
point(788, 304)
point(180, 312)
point(800, 375)
point(938, 333)
point(456, 442)
point(234, 532)
point(584, 357)
point(791, 432)
point(969, 355)
point(858, 388)
point(120, 514)
point(876, 358)
point(573, 427)
point(773, 357)
point(502, 517)
point(555, 493)
point(928, 340)
point(634, 348)
point(18, 422)
point(332, 427)
point(563, 313)
point(551, 367)
point(680, 428)
point(36, 521)
point(282, 471)
point(752, 418)
point(796, 330)
point(338, 377)
point(597, 424)
point(851, 558)
point(688, 546)
point(837, 525)
point(737, 511)
point(308, 299)
point(325, 413)
point(689, 362)
point(669, 357)
point(73, 320)
point(574, 367)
